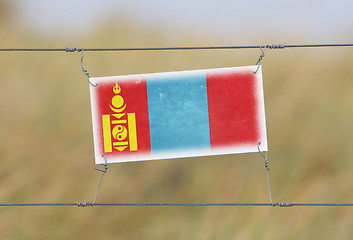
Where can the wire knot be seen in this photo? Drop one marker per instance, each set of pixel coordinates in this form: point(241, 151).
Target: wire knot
point(105, 164)
point(260, 59)
point(263, 154)
point(283, 204)
point(267, 164)
point(84, 204)
point(276, 46)
point(67, 49)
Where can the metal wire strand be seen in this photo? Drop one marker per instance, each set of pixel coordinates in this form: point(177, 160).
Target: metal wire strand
point(86, 204)
point(83, 69)
point(263, 154)
point(260, 59)
point(271, 46)
point(103, 172)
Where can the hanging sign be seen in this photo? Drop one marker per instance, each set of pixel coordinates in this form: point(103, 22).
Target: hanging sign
point(178, 114)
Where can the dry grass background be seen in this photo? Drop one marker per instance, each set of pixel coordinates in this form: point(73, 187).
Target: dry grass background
point(46, 146)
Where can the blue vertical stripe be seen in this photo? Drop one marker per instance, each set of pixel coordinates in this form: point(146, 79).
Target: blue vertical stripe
point(178, 112)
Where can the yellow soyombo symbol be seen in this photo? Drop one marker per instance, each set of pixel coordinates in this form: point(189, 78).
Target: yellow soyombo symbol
point(118, 104)
point(119, 128)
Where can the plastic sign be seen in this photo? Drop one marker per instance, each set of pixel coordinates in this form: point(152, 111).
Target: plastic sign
point(178, 114)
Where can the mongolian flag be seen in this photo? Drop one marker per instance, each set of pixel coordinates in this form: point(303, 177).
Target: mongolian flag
point(178, 114)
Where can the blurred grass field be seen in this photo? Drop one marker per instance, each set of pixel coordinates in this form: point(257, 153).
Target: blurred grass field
point(47, 146)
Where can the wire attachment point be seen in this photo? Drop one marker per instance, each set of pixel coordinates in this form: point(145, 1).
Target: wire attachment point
point(260, 58)
point(105, 164)
point(263, 48)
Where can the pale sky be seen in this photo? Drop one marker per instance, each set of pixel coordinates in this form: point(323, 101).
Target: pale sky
point(314, 20)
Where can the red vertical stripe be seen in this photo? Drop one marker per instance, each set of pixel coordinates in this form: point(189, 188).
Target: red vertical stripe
point(134, 93)
point(232, 108)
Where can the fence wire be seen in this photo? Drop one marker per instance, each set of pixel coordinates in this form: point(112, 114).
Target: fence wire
point(270, 46)
point(89, 204)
